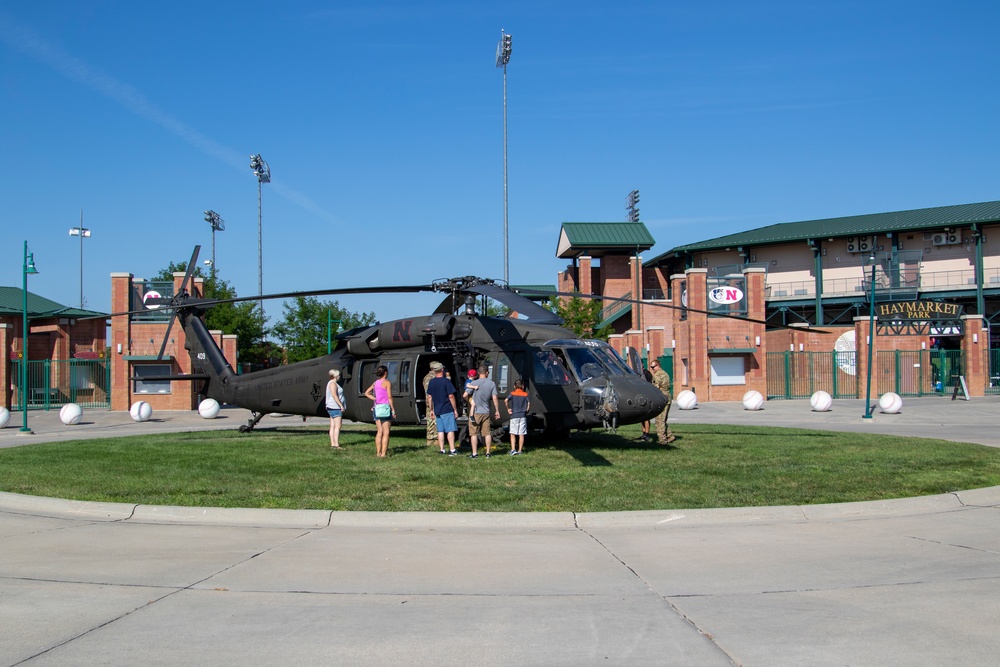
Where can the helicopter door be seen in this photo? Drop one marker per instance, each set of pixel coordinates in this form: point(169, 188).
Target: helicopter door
point(634, 360)
point(399, 376)
point(558, 395)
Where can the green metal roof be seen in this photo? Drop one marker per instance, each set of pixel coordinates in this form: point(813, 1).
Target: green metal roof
point(533, 291)
point(38, 306)
point(598, 238)
point(855, 225)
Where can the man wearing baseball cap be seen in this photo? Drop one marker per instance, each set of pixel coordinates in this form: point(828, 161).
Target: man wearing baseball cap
point(432, 431)
point(442, 407)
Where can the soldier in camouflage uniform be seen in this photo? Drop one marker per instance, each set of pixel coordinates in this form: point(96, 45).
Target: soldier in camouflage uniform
point(432, 431)
point(662, 382)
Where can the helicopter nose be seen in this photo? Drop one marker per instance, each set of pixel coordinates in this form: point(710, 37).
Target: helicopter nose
point(638, 401)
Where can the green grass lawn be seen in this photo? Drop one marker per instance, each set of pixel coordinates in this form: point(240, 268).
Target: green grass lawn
point(709, 466)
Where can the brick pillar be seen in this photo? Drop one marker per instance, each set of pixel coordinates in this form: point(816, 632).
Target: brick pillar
point(635, 279)
point(121, 388)
point(757, 363)
point(7, 367)
point(584, 279)
point(677, 341)
point(976, 348)
point(691, 334)
point(861, 330)
point(229, 346)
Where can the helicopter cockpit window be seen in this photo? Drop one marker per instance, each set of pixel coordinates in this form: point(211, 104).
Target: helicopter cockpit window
point(549, 370)
point(393, 376)
point(501, 374)
point(594, 360)
point(612, 360)
point(404, 377)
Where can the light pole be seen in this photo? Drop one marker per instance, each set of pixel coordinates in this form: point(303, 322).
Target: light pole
point(83, 233)
point(263, 174)
point(632, 206)
point(871, 338)
point(503, 57)
point(26, 268)
point(218, 225)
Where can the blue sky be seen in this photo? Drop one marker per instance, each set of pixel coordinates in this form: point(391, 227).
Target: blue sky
point(382, 123)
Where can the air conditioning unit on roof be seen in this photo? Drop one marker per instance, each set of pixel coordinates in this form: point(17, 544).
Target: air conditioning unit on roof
point(858, 244)
point(946, 238)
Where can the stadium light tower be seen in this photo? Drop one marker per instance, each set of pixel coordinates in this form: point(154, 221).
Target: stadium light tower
point(218, 225)
point(503, 57)
point(83, 233)
point(263, 174)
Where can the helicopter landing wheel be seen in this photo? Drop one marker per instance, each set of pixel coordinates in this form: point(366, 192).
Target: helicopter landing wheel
point(254, 418)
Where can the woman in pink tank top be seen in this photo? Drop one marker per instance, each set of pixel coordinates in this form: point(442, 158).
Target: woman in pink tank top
point(381, 394)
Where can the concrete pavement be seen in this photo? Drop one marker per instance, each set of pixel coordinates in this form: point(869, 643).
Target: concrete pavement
point(911, 581)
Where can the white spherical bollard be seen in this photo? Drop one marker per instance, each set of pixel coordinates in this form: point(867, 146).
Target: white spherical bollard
point(753, 400)
point(4, 417)
point(686, 400)
point(71, 414)
point(209, 408)
point(140, 411)
point(821, 401)
point(890, 403)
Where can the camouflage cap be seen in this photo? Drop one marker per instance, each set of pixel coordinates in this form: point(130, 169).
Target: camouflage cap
point(437, 366)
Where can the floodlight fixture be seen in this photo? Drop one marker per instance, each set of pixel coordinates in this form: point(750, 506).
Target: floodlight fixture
point(218, 225)
point(632, 202)
point(503, 49)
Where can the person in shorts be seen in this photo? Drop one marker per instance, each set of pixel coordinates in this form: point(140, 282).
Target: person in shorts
point(442, 407)
point(518, 405)
point(482, 391)
point(335, 407)
point(432, 430)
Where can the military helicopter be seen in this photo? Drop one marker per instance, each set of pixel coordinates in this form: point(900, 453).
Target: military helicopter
point(572, 383)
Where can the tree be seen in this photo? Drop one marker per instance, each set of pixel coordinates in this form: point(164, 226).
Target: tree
point(242, 319)
point(581, 316)
point(303, 328)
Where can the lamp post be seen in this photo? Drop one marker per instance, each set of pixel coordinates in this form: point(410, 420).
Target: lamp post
point(263, 174)
point(218, 225)
point(26, 268)
point(503, 57)
point(83, 233)
point(632, 206)
point(871, 338)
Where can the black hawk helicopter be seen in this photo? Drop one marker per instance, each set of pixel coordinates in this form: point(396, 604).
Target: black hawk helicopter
point(572, 383)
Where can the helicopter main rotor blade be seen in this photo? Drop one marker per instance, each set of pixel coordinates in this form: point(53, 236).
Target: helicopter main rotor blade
point(517, 302)
point(621, 299)
point(171, 304)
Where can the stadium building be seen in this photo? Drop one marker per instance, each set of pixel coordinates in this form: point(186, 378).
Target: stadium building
point(926, 278)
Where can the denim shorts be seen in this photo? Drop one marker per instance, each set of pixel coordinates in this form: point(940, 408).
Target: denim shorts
point(334, 412)
point(446, 423)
